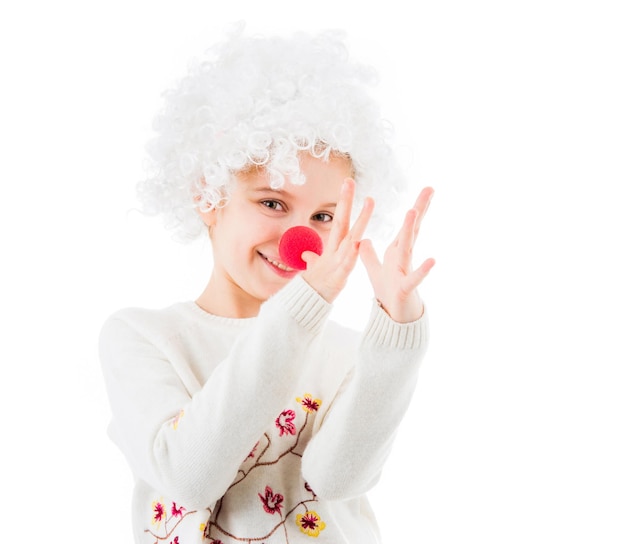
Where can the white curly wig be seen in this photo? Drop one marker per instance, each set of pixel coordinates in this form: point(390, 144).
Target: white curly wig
point(257, 101)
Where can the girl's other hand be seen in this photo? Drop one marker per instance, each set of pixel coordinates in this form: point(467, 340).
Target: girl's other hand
point(394, 280)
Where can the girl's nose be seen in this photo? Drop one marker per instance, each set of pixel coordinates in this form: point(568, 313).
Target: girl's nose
point(295, 241)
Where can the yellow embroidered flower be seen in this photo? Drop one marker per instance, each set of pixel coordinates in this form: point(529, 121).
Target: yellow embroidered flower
point(177, 419)
point(309, 404)
point(310, 523)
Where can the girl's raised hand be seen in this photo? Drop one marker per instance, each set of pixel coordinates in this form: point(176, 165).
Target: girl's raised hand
point(328, 273)
point(394, 280)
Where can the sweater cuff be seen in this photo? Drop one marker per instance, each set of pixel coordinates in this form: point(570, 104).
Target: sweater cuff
point(304, 304)
point(383, 331)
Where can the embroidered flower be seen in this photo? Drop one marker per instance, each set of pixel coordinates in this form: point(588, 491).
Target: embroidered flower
point(284, 422)
point(177, 512)
point(160, 513)
point(272, 502)
point(176, 420)
point(310, 523)
point(175, 541)
point(309, 404)
point(251, 454)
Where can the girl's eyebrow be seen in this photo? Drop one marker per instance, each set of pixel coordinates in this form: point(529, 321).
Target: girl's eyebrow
point(268, 189)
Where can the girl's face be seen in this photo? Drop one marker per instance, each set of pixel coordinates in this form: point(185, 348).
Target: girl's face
point(245, 233)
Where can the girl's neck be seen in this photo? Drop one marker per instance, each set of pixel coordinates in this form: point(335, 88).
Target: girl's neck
point(223, 298)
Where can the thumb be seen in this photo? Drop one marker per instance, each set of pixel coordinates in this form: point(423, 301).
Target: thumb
point(309, 257)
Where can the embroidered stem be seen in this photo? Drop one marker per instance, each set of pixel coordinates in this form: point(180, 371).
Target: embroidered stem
point(257, 539)
point(169, 532)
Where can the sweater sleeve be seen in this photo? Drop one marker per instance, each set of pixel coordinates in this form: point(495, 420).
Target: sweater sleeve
point(346, 456)
point(196, 457)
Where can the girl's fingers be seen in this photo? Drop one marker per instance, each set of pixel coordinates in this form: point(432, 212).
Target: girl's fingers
point(417, 276)
point(406, 239)
point(369, 258)
point(421, 206)
point(358, 229)
point(341, 219)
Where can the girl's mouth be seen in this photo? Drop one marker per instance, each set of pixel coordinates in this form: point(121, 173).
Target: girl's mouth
point(278, 265)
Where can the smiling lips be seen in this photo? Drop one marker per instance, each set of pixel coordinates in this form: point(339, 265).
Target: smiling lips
point(277, 264)
point(280, 265)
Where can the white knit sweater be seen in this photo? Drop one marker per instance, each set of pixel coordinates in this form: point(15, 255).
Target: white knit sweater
point(262, 430)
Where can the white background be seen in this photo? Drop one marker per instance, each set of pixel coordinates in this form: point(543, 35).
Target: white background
point(515, 113)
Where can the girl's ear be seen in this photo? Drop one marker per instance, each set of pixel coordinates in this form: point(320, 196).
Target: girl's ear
point(208, 218)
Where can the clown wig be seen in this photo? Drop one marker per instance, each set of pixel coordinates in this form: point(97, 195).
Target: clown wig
point(260, 102)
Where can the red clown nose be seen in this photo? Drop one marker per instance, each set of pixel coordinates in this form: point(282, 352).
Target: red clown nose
point(296, 241)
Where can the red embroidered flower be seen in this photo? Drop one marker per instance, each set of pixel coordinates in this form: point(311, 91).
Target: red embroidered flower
point(177, 512)
point(309, 404)
point(251, 454)
point(272, 502)
point(159, 512)
point(175, 541)
point(310, 523)
point(284, 422)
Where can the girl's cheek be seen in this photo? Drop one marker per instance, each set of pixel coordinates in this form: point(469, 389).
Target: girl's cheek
point(266, 227)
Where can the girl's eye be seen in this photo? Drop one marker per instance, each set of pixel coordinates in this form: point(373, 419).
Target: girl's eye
point(323, 217)
point(273, 205)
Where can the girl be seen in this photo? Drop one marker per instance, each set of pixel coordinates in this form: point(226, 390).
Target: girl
point(247, 415)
